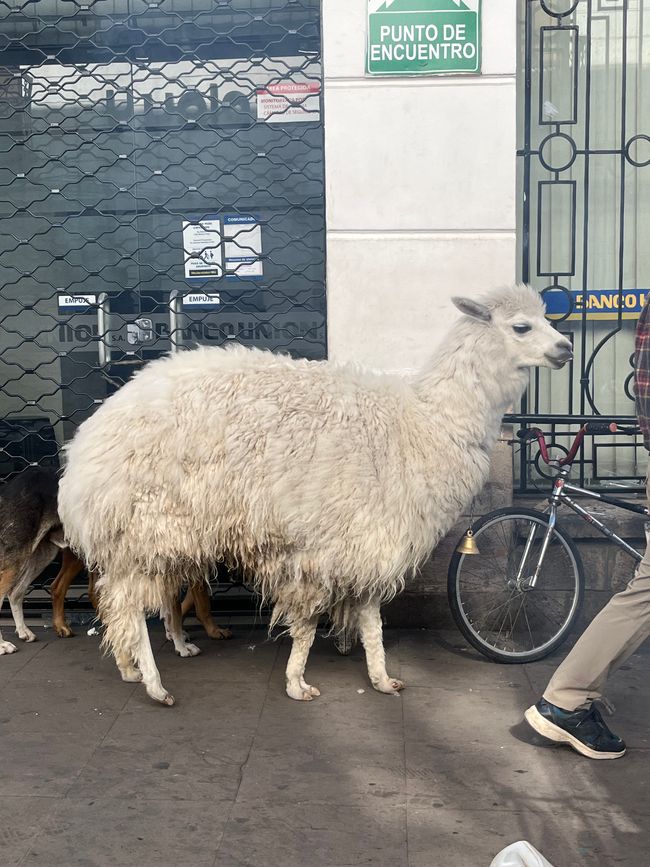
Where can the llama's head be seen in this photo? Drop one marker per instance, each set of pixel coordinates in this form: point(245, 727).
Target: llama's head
point(518, 329)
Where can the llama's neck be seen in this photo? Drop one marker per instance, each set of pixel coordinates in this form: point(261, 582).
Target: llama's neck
point(468, 385)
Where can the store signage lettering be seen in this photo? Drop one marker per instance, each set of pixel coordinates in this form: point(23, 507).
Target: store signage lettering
point(600, 303)
point(76, 302)
point(218, 330)
point(423, 37)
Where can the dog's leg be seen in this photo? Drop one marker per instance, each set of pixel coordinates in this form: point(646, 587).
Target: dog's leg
point(92, 590)
point(38, 560)
point(201, 596)
point(16, 602)
point(370, 630)
point(302, 632)
point(173, 630)
point(71, 566)
point(188, 604)
point(5, 646)
point(7, 581)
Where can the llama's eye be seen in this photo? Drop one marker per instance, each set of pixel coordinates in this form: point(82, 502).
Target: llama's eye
point(521, 329)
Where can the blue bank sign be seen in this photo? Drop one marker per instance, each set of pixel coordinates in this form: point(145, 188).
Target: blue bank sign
point(598, 303)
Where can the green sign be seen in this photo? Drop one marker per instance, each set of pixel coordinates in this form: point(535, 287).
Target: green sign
point(423, 37)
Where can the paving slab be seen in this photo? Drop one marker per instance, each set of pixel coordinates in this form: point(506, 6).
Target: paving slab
point(95, 774)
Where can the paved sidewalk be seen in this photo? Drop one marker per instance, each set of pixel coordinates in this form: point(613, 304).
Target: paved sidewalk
point(238, 775)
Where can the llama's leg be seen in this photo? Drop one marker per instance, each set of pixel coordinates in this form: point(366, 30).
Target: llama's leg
point(302, 632)
point(128, 671)
point(369, 622)
point(5, 646)
point(147, 664)
point(173, 630)
point(71, 566)
point(201, 597)
point(125, 632)
point(120, 619)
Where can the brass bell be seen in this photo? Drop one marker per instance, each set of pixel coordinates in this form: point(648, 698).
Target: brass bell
point(467, 544)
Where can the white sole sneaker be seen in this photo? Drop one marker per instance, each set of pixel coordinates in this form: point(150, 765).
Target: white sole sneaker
point(554, 733)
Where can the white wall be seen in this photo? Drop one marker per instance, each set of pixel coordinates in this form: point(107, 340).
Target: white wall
point(420, 189)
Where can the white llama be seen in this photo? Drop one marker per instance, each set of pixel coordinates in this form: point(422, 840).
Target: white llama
point(327, 484)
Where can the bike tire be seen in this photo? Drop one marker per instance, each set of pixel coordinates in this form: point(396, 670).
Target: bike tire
point(501, 518)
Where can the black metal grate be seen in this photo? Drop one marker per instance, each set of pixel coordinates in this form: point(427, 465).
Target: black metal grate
point(161, 185)
point(581, 158)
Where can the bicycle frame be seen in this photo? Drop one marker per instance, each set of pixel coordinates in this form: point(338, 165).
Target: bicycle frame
point(559, 495)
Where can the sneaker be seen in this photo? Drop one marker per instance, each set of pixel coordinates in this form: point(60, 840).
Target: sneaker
point(584, 730)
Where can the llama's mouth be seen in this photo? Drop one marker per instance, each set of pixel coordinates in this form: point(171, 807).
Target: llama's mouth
point(558, 361)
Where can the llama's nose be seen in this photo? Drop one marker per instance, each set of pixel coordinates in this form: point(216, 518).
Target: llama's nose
point(564, 350)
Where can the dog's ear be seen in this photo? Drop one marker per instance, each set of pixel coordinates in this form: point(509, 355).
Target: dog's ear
point(472, 308)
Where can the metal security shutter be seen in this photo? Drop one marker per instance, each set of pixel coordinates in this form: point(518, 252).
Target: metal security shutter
point(161, 185)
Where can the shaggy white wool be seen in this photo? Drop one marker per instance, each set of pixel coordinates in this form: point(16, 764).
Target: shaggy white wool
point(326, 483)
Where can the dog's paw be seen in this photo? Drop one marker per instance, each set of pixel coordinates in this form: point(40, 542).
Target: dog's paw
point(7, 647)
point(189, 650)
point(64, 631)
point(218, 633)
point(26, 634)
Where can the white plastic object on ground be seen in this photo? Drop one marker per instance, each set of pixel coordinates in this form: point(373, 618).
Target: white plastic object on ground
point(520, 854)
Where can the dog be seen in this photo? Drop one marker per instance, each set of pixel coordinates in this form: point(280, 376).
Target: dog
point(31, 536)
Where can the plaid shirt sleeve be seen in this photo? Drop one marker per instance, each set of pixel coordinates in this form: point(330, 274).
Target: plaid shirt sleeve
point(642, 372)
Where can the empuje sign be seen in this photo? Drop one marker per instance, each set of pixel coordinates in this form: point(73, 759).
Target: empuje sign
point(423, 37)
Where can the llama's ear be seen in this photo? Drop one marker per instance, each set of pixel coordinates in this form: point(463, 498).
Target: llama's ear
point(473, 308)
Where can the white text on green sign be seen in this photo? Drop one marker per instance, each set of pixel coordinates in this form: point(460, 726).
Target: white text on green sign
point(423, 37)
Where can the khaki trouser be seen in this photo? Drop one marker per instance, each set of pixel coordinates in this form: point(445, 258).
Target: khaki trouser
point(611, 637)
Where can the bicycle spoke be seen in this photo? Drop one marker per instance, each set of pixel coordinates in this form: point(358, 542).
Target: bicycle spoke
point(530, 632)
point(491, 589)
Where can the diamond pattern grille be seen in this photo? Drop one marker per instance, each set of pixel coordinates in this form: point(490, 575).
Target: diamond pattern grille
point(161, 185)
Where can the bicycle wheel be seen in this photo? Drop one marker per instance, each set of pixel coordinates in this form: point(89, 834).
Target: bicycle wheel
point(491, 598)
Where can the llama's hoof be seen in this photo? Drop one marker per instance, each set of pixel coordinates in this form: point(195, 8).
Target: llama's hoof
point(131, 675)
point(64, 631)
point(189, 650)
point(390, 686)
point(218, 633)
point(26, 634)
point(312, 690)
point(159, 693)
point(300, 693)
point(7, 647)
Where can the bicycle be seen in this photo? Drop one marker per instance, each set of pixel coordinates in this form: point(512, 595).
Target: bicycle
point(518, 599)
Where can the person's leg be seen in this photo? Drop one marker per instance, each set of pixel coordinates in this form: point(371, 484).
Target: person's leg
point(612, 636)
point(565, 713)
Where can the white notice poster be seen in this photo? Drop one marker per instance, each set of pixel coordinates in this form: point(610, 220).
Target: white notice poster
point(289, 102)
point(242, 236)
point(202, 248)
